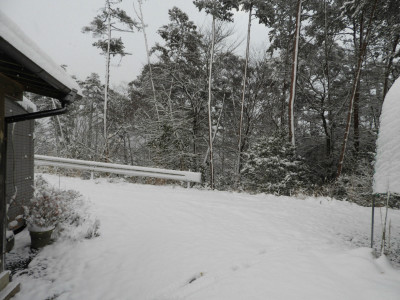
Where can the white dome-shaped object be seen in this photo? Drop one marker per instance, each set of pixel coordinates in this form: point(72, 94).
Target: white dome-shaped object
point(387, 161)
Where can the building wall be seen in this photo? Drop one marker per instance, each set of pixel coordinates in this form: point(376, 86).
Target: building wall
point(20, 160)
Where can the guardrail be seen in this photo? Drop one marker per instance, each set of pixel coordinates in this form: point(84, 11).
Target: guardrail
point(92, 166)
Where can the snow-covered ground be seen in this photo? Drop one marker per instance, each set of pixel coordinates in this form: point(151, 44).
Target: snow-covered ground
point(173, 243)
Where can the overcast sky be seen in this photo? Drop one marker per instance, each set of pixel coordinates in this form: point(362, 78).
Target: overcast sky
point(56, 25)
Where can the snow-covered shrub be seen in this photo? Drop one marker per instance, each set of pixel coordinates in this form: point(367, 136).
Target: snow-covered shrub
point(47, 207)
point(355, 185)
point(67, 211)
point(355, 188)
point(273, 167)
point(79, 223)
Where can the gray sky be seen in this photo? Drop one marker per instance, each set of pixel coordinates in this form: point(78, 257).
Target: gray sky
point(55, 25)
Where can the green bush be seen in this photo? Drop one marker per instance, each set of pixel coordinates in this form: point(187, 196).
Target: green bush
point(272, 166)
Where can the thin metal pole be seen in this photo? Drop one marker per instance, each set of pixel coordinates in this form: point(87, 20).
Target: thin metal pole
point(383, 246)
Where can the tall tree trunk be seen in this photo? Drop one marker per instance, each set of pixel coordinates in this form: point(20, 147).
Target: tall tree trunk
point(327, 134)
point(125, 150)
point(210, 138)
point(294, 75)
point(141, 18)
point(96, 141)
point(354, 90)
point(283, 111)
point(215, 131)
point(194, 133)
point(356, 121)
point(243, 95)
point(107, 81)
point(130, 150)
point(328, 82)
point(90, 129)
point(356, 114)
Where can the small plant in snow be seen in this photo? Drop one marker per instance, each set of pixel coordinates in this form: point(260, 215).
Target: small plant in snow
point(66, 211)
point(47, 207)
point(79, 222)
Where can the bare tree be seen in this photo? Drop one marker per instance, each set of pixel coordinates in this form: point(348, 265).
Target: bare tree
point(356, 81)
point(244, 93)
point(220, 10)
point(143, 27)
point(107, 79)
point(210, 139)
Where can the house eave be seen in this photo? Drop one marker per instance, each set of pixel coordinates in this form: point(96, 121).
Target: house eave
point(24, 62)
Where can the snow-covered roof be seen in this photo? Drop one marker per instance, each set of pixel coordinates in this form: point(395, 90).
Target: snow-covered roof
point(24, 50)
point(387, 161)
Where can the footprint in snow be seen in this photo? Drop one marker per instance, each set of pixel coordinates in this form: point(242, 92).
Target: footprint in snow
point(195, 277)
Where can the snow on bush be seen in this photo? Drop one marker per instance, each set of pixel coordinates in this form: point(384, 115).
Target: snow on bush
point(66, 211)
point(80, 222)
point(387, 162)
point(355, 186)
point(273, 167)
point(47, 207)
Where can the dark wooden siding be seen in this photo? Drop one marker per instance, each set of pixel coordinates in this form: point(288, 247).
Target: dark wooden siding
point(20, 160)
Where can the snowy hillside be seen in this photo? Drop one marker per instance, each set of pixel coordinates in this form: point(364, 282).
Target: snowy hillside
point(171, 243)
point(387, 166)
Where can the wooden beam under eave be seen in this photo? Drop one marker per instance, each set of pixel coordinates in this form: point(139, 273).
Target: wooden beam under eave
point(10, 88)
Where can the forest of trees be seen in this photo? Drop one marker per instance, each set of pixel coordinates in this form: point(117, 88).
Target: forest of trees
point(300, 116)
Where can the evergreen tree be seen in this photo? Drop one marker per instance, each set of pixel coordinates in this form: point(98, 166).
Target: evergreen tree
point(111, 19)
point(273, 167)
point(179, 80)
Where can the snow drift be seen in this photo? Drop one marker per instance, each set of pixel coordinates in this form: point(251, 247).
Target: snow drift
point(387, 162)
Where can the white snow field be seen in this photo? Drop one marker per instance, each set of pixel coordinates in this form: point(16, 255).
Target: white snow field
point(173, 243)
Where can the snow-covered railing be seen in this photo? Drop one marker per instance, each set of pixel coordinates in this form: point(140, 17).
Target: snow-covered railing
point(92, 166)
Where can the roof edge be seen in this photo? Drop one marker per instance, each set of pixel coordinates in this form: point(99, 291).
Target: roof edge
point(28, 53)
